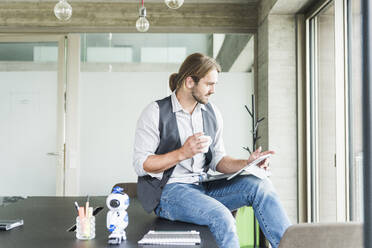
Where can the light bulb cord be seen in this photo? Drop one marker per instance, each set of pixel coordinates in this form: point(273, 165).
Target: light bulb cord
point(142, 1)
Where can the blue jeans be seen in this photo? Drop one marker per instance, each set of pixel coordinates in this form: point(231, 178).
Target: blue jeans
point(211, 204)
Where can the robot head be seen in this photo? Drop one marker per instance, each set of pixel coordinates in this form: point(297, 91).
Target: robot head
point(117, 200)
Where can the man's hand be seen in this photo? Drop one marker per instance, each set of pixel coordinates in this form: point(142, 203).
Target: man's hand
point(193, 145)
point(230, 165)
point(256, 154)
point(159, 163)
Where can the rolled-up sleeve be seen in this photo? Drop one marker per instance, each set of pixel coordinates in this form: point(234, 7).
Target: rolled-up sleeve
point(219, 146)
point(146, 139)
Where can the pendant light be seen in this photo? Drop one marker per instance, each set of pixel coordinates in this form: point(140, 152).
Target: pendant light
point(63, 10)
point(173, 4)
point(142, 23)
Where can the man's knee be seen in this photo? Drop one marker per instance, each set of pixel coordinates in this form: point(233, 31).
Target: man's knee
point(264, 191)
point(265, 186)
point(222, 219)
point(257, 188)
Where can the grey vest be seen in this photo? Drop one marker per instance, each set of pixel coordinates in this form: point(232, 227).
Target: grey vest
point(149, 188)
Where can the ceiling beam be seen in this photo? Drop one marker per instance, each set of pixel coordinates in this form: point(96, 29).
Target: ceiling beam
point(230, 50)
point(20, 17)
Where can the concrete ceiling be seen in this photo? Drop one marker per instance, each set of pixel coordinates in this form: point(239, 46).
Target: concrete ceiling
point(203, 16)
point(282, 7)
point(276, 6)
point(120, 16)
point(253, 2)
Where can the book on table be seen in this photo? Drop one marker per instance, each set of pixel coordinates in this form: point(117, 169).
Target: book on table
point(170, 238)
point(10, 224)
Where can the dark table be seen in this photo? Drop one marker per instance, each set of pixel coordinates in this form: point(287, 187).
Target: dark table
point(46, 220)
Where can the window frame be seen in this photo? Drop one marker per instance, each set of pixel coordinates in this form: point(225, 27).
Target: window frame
point(309, 176)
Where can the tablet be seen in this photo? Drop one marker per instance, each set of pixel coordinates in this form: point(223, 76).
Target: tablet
point(255, 162)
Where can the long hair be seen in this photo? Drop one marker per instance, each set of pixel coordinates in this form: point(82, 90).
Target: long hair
point(196, 65)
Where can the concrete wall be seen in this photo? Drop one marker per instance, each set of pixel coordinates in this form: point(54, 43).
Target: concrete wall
point(261, 87)
point(277, 102)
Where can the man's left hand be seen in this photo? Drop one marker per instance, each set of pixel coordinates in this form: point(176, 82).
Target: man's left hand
point(265, 164)
point(256, 154)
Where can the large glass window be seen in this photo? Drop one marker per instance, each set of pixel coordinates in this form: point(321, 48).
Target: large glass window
point(326, 114)
point(323, 115)
point(32, 52)
point(334, 112)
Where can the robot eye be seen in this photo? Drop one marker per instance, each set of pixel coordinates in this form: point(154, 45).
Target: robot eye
point(114, 203)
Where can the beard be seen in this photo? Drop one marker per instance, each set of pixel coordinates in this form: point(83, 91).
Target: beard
point(199, 98)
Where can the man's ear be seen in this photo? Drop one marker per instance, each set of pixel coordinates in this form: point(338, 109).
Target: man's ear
point(189, 82)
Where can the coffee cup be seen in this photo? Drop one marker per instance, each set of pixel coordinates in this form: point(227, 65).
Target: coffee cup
point(207, 143)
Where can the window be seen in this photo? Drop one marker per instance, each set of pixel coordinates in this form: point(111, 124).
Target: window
point(327, 116)
point(355, 110)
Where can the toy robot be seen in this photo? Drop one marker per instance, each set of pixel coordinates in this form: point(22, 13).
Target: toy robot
point(117, 217)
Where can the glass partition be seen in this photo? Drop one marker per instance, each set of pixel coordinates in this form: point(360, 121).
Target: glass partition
point(31, 117)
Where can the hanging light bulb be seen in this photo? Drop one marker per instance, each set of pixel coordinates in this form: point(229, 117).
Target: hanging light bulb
point(173, 4)
point(142, 23)
point(63, 10)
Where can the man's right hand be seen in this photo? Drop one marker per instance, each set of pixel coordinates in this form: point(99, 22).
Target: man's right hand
point(159, 163)
point(193, 145)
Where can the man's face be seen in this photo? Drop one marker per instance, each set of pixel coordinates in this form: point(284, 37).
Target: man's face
point(202, 90)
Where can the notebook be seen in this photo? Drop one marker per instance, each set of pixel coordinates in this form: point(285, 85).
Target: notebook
point(9, 224)
point(170, 238)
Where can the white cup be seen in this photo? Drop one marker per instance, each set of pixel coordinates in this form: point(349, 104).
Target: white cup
point(207, 143)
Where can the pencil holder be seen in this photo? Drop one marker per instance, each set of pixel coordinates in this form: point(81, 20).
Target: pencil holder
point(85, 228)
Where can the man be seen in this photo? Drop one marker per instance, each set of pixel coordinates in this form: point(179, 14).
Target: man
point(168, 159)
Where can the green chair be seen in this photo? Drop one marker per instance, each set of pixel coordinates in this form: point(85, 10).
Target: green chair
point(245, 228)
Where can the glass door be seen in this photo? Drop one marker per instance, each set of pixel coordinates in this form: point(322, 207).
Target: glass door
point(32, 86)
point(323, 105)
point(327, 141)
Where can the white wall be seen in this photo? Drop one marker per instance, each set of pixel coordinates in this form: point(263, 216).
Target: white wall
point(111, 104)
point(233, 91)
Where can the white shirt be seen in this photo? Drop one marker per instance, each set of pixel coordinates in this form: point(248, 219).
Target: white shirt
point(147, 139)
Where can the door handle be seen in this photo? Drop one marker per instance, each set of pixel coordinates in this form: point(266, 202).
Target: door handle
point(53, 154)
